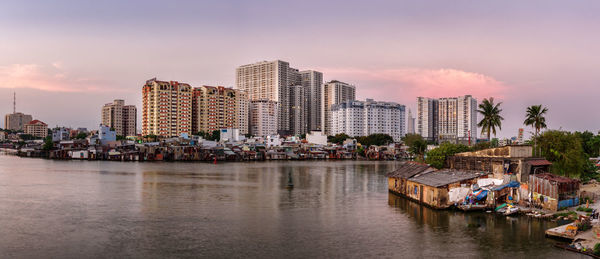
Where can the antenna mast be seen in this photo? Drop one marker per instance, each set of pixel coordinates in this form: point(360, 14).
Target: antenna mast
point(14, 102)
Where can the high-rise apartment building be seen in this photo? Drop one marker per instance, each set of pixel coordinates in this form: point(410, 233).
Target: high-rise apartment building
point(216, 108)
point(122, 118)
point(297, 110)
point(243, 110)
point(447, 119)
point(167, 108)
point(269, 80)
point(263, 118)
point(427, 118)
point(16, 121)
point(334, 92)
point(358, 118)
point(410, 123)
point(312, 81)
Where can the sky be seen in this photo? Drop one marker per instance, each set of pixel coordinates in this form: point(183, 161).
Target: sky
point(65, 59)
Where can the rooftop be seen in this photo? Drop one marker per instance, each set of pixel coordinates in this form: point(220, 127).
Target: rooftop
point(445, 177)
point(410, 169)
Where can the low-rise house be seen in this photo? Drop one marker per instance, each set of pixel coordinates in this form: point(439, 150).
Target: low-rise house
point(317, 138)
point(553, 192)
point(421, 183)
point(60, 134)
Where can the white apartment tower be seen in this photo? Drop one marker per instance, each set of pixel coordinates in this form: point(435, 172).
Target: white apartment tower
point(447, 119)
point(312, 81)
point(427, 118)
point(334, 92)
point(358, 118)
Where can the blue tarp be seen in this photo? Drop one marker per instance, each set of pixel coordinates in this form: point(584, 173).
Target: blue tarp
point(513, 184)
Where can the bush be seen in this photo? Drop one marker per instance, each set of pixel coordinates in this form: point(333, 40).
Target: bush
point(597, 249)
point(581, 208)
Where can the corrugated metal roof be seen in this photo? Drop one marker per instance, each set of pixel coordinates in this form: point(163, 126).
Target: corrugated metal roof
point(539, 162)
point(409, 169)
point(444, 177)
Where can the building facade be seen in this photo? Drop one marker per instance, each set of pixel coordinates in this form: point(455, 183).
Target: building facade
point(297, 110)
point(447, 119)
point(269, 80)
point(312, 81)
point(334, 92)
point(16, 121)
point(122, 118)
point(216, 108)
point(263, 118)
point(36, 128)
point(363, 118)
point(167, 108)
point(410, 123)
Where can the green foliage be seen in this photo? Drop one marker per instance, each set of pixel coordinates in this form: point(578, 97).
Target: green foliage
point(565, 214)
point(119, 137)
point(81, 135)
point(535, 118)
point(565, 151)
point(416, 144)
point(491, 118)
point(480, 146)
point(375, 139)
point(597, 249)
point(151, 137)
point(590, 142)
point(338, 138)
point(494, 142)
point(48, 143)
point(581, 208)
point(437, 157)
point(215, 135)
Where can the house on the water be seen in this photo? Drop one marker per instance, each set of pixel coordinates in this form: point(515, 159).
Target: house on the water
point(429, 186)
point(553, 192)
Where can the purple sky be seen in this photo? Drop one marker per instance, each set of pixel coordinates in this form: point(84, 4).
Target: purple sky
point(67, 58)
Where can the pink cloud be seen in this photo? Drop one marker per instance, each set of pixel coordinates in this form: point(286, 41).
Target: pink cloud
point(405, 84)
point(53, 77)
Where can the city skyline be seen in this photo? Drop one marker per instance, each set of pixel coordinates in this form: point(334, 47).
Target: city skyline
point(64, 63)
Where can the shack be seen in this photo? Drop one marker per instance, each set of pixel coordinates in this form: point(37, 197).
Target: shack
point(428, 186)
point(553, 192)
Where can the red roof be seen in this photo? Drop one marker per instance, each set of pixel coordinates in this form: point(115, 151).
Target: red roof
point(37, 122)
point(539, 162)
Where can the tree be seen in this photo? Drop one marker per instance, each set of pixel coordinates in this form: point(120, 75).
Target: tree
point(375, 139)
point(216, 135)
point(565, 151)
point(48, 143)
point(27, 137)
point(119, 137)
point(437, 156)
point(416, 144)
point(491, 117)
point(535, 118)
point(81, 135)
point(338, 138)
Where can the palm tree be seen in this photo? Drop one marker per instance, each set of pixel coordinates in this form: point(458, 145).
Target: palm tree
point(535, 118)
point(491, 116)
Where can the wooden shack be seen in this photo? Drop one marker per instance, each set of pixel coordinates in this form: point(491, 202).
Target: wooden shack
point(553, 192)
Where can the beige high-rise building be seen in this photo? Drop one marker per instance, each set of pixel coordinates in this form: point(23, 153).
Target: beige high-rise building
point(167, 108)
point(334, 92)
point(263, 118)
point(269, 80)
point(243, 110)
point(16, 121)
point(122, 118)
point(36, 128)
point(216, 108)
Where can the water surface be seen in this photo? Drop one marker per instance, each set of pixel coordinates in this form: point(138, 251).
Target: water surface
point(75, 209)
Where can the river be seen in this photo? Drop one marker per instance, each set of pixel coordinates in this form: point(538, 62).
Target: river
point(78, 209)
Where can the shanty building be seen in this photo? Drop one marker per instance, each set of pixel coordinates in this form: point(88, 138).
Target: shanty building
point(428, 186)
point(511, 163)
point(553, 192)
